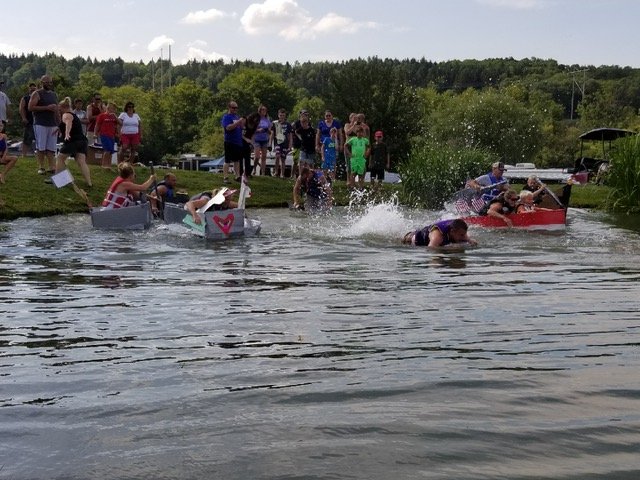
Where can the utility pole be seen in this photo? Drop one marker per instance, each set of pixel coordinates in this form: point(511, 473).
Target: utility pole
point(161, 74)
point(169, 66)
point(574, 84)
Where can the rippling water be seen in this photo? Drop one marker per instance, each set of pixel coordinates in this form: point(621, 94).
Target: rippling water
point(321, 349)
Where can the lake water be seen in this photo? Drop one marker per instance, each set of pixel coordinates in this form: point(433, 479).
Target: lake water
point(321, 349)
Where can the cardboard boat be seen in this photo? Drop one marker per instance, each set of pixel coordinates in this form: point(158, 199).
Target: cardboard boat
point(550, 220)
point(136, 217)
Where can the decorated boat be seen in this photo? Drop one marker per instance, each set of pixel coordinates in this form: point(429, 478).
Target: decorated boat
point(550, 220)
point(217, 224)
point(136, 217)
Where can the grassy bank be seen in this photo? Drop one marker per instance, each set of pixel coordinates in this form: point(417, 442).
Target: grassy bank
point(26, 195)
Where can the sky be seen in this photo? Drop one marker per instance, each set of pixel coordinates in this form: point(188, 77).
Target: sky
point(572, 32)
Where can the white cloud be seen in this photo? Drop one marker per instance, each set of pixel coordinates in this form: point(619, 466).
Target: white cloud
point(159, 42)
point(516, 4)
point(194, 53)
point(203, 16)
point(332, 22)
point(288, 20)
point(274, 16)
point(197, 44)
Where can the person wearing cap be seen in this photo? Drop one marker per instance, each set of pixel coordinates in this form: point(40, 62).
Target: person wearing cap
point(222, 201)
point(440, 234)
point(493, 179)
point(379, 159)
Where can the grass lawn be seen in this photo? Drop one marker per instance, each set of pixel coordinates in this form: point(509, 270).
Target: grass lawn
point(26, 195)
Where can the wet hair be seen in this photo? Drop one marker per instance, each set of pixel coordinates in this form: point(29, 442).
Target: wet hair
point(125, 170)
point(459, 224)
point(304, 171)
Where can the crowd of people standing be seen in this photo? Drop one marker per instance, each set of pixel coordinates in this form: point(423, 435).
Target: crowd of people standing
point(66, 129)
point(316, 146)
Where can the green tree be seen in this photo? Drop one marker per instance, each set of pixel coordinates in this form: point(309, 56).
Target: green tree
point(251, 87)
point(187, 106)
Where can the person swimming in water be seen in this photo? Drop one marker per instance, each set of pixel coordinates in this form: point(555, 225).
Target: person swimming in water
point(440, 234)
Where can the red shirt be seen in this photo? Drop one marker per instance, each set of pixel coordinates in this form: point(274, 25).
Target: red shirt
point(106, 124)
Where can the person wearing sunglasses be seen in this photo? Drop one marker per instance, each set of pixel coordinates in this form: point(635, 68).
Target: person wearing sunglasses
point(500, 206)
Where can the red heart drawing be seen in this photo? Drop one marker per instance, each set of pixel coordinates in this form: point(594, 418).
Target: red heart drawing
point(224, 224)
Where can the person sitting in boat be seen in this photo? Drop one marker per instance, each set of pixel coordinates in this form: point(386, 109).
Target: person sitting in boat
point(527, 204)
point(165, 190)
point(536, 187)
point(501, 205)
point(123, 192)
point(222, 201)
point(317, 188)
point(440, 234)
point(492, 179)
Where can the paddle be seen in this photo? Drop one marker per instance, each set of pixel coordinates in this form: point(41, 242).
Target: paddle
point(469, 200)
point(554, 196)
point(159, 201)
point(63, 178)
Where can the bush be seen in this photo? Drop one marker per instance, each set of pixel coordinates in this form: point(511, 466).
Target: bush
point(433, 173)
point(624, 175)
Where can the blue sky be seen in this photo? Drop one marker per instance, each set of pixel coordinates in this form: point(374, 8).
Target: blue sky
point(584, 32)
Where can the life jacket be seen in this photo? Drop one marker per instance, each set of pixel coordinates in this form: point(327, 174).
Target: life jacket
point(421, 237)
point(313, 188)
point(170, 194)
point(114, 199)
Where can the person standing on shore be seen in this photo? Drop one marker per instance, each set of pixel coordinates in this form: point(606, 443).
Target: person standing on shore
point(106, 130)
point(232, 125)
point(4, 105)
point(46, 118)
point(27, 121)
point(94, 109)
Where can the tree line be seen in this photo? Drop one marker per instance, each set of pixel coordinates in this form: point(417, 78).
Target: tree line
point(519, 110)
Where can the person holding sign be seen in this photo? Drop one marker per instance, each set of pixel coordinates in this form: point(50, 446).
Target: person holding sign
point(74, 142)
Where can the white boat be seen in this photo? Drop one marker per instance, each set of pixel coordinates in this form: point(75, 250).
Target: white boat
point(136, 217)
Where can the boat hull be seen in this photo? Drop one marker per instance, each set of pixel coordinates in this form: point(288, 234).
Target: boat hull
point(136, 217)
point(550, 220)
point(219, 224)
